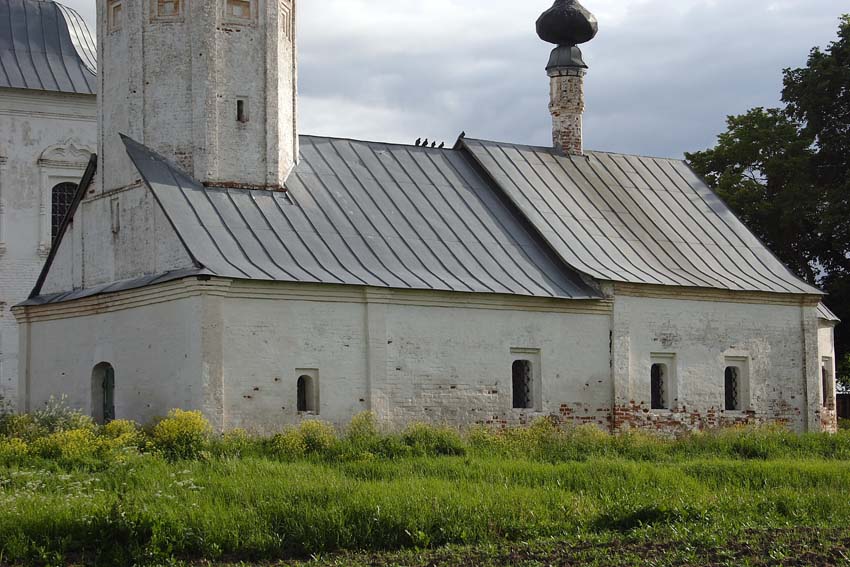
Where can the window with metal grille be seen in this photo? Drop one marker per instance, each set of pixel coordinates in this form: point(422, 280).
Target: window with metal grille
point(62, 196)
point(733, 388)
point(522, 380)
point(659, 386)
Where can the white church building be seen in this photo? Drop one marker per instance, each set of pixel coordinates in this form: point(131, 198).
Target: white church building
point(213, 258)
point(48, 131)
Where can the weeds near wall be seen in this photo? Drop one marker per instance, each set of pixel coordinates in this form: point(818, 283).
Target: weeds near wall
point(123, 494)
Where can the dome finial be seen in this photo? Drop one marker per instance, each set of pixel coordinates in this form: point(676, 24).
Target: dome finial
point(567, 24)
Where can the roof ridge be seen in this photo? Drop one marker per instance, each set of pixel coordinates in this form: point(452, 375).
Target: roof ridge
point(377, 142)
point(554, 152)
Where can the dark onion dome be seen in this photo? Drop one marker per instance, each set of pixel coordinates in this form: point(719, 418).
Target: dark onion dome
point(45, 46)
point(567, 23)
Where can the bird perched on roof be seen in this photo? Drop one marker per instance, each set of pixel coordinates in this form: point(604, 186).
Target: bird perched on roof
point(418, 141)
point(442, 145)
point(425, 143)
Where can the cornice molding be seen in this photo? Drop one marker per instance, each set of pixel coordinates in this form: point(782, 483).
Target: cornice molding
point(715, 295)
point(324, 293)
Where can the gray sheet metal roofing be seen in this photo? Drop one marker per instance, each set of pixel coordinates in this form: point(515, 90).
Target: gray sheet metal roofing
point(364, 213)
point(826, 314)
point(45, 46)
point(634, 219)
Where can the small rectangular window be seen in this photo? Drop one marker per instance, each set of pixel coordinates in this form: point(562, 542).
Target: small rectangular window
point(239, 10)
point(114, 15)
point(522, 384)
point(241, 110)
point(166, 10)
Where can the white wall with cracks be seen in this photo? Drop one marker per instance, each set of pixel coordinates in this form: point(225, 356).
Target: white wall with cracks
point(45, 139)
point(236, 349)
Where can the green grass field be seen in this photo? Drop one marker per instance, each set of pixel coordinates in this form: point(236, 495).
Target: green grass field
point(427, 496)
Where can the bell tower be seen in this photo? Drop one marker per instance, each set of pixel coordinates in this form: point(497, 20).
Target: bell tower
point(567, 24)
point(210, 84)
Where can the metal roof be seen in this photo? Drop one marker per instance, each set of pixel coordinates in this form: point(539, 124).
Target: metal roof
point(826, 314)
point(634, 219)
point(364, 213)
point(113, 287)
point(45, 46)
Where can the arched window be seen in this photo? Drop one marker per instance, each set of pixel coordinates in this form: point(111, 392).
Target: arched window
point(308, 394)
point(62, 196)
point(103, 393)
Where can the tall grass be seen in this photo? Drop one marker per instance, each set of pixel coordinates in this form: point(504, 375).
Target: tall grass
point(253, 508)
point(143, 496)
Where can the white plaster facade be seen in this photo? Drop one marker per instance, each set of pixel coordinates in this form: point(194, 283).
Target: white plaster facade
point(46, 138)
point(236, 350)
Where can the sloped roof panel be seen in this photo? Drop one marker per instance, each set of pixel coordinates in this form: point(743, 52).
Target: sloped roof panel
point(634, 219)
point(826, 314)
point(45, 46)
point(364, 213)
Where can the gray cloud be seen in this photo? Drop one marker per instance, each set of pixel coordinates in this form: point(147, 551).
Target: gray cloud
point(664, 74)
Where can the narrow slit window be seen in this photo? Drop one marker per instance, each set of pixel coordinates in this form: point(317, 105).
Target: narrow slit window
point(733, 388)
point(241, 111)
point(522, 384)
point(659, 386)
point(103, 393)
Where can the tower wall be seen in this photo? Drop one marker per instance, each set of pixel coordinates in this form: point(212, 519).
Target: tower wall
point(210, 84)
point(567, 108)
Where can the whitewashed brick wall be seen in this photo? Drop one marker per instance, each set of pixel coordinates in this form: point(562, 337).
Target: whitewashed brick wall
point(32, 122)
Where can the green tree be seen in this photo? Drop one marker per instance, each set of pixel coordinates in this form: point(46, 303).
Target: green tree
point(786, 172)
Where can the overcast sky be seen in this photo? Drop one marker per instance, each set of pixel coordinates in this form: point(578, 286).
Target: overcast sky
point(663, 74)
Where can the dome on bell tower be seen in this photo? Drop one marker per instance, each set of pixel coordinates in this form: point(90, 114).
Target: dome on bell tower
point(567, 23)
